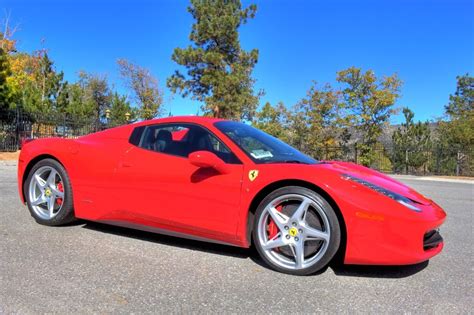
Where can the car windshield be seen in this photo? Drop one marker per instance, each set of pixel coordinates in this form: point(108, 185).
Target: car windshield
point(261, 147)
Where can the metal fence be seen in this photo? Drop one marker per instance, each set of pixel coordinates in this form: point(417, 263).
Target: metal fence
point(15, 127)
point(438, 160)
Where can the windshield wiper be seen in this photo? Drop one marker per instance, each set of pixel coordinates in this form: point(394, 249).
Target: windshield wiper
point(293, 161)
point(283, 161)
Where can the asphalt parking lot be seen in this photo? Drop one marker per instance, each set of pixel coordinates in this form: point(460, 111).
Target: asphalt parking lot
point(92, 268)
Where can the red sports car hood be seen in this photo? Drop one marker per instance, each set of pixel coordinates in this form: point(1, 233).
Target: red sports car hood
point(376, 178)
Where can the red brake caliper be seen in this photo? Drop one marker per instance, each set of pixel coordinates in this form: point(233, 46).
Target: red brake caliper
point(60, 187)
point(272, 227)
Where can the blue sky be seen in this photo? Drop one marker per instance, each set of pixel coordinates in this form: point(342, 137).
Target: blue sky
point(427, 43)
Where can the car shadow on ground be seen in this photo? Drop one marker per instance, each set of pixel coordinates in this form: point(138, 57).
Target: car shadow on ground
point(378, 271)
point(168, 240)
point(250, 253)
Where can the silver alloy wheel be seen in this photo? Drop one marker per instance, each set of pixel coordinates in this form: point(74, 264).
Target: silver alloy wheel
point(45, 193)
point(293, 231)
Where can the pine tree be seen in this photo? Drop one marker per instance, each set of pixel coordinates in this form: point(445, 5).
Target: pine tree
point(411, 143)
point(455, 141)
point(119, 110)
point(218, 69)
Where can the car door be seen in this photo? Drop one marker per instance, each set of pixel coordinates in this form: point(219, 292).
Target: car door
point(161, 188)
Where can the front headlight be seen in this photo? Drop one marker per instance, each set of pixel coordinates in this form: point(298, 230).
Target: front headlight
point(410, 204)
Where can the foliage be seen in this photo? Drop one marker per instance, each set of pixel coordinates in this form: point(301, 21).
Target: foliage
point(320, 121)
point(456, 131)
point(411, 142)
point(34, 84)
point(7, 42)
point(31, 82)
point(96, 93)
point(5, 91)
point(120, 112)
point(273, 120)
point(145, 88)
point(459, 129)
point(77, 105)
point(218, 69)
point(43, 93)
point(371, 100)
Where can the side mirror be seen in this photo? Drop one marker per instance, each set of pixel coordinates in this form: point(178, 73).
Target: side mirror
point(206, 159)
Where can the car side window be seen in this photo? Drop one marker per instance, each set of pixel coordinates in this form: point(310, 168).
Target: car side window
point(183, 139)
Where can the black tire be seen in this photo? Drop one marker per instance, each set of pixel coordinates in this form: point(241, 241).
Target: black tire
point(65, 214)
point(334, 228)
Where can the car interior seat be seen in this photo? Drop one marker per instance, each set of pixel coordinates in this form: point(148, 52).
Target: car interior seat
point(163, 141)
point(149, 141)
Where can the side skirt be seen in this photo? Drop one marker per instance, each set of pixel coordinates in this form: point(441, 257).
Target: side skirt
point(156, 230)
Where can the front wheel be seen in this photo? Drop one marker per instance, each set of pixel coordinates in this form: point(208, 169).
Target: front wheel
point(296, 231)
point(48, 193)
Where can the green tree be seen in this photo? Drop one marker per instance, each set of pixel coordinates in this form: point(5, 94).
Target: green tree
point(371, 100)
point(97, 93)
point(218, 69)
point(145, 88)
point(5, 92)
point(411, 143)
point(461, 103)
point(322, 122)
point(456, 132)
point(273, 120)
point(459, 131)
point(42, 94)
point(78, 106)
point(120, 112)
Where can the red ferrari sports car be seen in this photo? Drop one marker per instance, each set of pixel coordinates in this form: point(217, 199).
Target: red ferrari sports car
point(227, 182)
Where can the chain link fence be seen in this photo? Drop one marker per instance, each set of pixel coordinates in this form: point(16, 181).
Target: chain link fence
point(16, 127)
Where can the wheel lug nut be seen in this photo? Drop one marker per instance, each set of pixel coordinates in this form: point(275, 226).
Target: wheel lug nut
point(294, 223)
point(297, 239)
point(287, 237)
point(300, 231)
point(286, 227)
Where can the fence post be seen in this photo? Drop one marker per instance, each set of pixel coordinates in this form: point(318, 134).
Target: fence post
point(406, 161)
point(355, 153)
point(64, 125)
point(458, 159)
point(437, 160)
point(17, 129)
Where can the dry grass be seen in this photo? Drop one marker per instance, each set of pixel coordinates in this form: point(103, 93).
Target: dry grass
point(9, 156)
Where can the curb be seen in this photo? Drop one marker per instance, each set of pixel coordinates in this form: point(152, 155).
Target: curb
point(433, 179)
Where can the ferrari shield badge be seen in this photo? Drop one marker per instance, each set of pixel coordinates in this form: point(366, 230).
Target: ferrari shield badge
point(253, 174)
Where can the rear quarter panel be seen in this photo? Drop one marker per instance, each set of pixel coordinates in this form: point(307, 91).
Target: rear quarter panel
point(63, 150)
point(88, 160)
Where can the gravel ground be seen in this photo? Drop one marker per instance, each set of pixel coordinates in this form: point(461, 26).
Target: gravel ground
point(93, 268)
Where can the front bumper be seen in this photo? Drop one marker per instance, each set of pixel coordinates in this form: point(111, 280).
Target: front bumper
point(395, 236)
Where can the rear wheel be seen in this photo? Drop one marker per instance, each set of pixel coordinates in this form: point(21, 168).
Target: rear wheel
point(296, 231)
point(48, 193)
